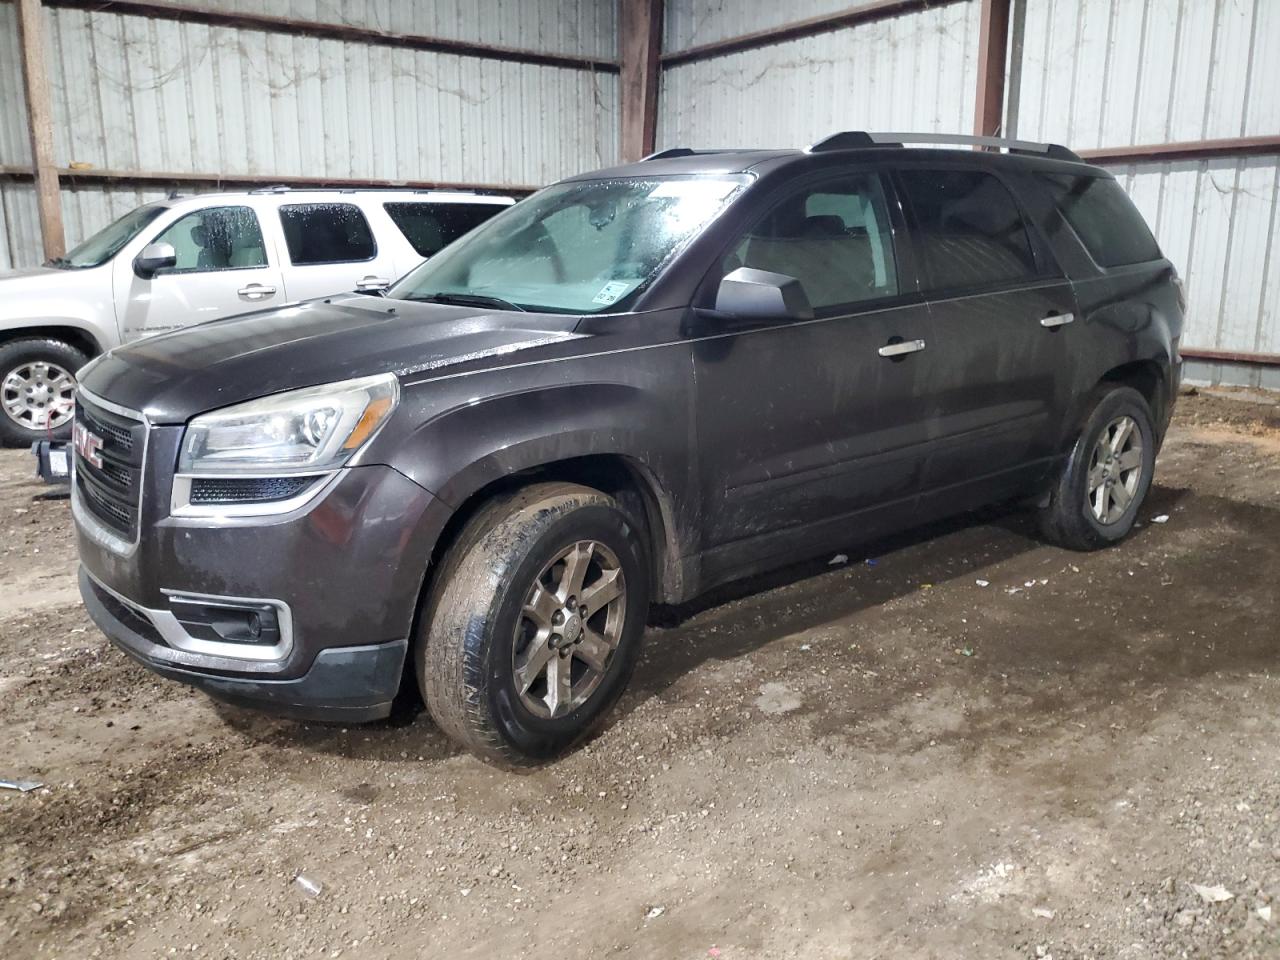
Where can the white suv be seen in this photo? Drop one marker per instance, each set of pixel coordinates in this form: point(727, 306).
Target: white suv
point(186, 260)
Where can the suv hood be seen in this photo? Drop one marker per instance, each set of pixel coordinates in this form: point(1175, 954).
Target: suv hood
point(174, 376)
point(51, 293)
point(7, 277)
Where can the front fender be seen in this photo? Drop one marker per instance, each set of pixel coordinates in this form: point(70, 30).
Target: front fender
point(80, 300)
point(463, 449)
point(17, 327)
point(456, 435)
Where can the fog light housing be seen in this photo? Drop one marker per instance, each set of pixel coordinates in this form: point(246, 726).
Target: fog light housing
point(221, 621)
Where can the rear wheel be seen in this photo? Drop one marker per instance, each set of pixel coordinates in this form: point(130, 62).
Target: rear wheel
point(534, 623)
point(1096, 496)
point(37, 390)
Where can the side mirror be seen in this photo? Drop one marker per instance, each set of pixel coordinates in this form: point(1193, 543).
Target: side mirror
point(758, 295)
point(154, 258)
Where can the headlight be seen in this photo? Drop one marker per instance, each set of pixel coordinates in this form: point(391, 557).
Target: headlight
point(302, 431)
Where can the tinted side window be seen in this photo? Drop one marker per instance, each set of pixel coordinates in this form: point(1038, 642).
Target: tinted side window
point(1104, 218)
point(430, 227)
point(219, 238)
point(326, 233)
point(969, 231)
point(834, 238)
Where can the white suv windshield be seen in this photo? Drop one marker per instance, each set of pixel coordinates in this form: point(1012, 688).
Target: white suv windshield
point(106, 243)
point(580, 247)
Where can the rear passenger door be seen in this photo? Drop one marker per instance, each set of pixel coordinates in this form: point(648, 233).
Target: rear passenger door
point(331, 249)
point(1001, 362)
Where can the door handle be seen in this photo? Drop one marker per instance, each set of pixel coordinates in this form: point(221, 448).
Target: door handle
point(901, 348)
point(1055, 320)
point(256, 291)
point(372, 284)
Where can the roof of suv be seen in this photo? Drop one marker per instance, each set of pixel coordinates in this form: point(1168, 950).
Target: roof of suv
point(334, 194)
point(850, 145)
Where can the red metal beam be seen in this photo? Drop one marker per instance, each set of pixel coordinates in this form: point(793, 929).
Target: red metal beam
point(1185, 150)
point(333, 31)
point(263, 180)
point(863, 13)
point(993, 47)
point(1231, 356)
point(640, 43)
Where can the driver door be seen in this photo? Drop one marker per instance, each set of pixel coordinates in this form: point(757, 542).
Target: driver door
point(224, 267)
point(807, 433)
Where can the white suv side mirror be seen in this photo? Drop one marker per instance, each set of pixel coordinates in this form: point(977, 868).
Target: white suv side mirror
point(154, 258)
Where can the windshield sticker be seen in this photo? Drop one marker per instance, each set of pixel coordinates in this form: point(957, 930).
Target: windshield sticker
point(612, 292)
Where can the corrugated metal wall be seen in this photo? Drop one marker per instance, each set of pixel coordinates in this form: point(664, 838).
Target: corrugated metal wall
point(147, 94)
point(1108, 73)
point(1111, 73)
point(1088, 73)
point(15, 143)
point(914, 71)
point(691, 23)
point(578, 27)
point(157, 95)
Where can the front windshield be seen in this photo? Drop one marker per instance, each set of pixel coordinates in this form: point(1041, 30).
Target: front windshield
point(106, 243)
point(579, 247)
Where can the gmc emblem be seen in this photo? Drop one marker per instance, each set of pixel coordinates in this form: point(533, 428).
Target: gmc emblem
point(88, 445)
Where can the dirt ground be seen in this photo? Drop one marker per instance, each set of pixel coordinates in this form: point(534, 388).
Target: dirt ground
point(962, 743)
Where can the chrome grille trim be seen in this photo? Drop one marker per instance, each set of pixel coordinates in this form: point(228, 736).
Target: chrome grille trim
point(94, 527)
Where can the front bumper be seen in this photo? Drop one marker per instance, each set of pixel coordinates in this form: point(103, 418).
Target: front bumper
point(344, 572)
point(343, 684)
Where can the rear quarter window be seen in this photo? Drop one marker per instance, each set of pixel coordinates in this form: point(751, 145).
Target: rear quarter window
point(430, 227)
point(326, 233)
point(1104, 218)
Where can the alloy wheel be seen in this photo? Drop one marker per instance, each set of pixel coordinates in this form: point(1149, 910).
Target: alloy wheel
point(1115, 470)
point(569, 628)
point(38, 395)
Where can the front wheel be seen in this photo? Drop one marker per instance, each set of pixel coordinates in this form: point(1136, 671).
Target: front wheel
point(1096, 496)
point(37, 390)
point(532, 628)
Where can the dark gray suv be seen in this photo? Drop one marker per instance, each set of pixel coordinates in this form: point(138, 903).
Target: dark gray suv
point(630, 387)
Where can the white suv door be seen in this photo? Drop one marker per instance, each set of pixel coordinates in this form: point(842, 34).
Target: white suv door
point(224, 267)
point(332, 249)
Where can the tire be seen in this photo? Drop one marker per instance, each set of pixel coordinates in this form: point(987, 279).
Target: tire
point(1081, 513)
point(485, 660)
point(25, 365)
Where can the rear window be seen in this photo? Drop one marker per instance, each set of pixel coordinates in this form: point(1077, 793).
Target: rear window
point(430, 227)
point(969, 231)
point(1104, 218)
point(326, 233)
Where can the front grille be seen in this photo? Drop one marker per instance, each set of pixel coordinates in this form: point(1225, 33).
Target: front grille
point(112, 491)
point(255, 490)
point(121, 436)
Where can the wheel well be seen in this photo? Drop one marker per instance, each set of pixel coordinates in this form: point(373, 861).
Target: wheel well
point(1146, 377)
point(625, 480)
point(74, 336)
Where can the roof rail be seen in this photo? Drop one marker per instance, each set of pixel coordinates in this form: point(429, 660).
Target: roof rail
point(670, 152)
point(682, 152)
point(277, 188)
point(860, 139)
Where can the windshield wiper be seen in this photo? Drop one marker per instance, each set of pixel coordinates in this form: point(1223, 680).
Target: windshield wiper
point(468, 300)
point(58, 262)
